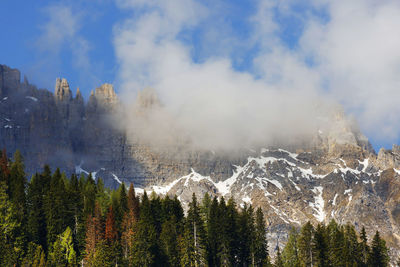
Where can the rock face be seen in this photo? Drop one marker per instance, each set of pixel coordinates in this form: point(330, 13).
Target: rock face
point(336, 175)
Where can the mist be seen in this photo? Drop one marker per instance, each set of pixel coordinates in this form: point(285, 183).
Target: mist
point(211, 105)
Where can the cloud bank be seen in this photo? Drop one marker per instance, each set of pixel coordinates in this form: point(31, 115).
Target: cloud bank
point(343, 52)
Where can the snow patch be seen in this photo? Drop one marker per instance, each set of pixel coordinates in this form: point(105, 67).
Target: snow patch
point(32, 98)
point(334, 200)
point(7, 126)
point(225, 186)
point(347, 191)
point(365, 164)
point(397, 171)
point(319, 204)
point(247, 200)
point(79, 170)
point(116, 178)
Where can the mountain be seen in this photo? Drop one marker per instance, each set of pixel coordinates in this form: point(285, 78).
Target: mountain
point(334, 174)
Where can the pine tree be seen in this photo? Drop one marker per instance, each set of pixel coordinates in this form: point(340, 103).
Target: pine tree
point(260, 250)
point(144, 245)
point(129, 221)
point(9, 225)
point(246, 233)
point(378, 256)
point(17, 190)
point(305, 245)
point(194, 237)
point(279, 261)
point(54, 204)
point(133, 202)
point(364, 248)
point(35, 256)
point(169, 242)
point(36, 225)
point(213, 231)
point(320, 247)
point(62, 251)
point(336, 244)
point(290, 254)
point(4, 170)
point(110, 229)
point(352, 253)
point(94, 234)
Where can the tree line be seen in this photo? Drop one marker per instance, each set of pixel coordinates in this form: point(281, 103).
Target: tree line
point(53, 220)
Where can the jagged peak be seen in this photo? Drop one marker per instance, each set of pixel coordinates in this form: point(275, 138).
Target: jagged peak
point(105, 94)
point(78, 95)
point(62, 91)
point(147, 99)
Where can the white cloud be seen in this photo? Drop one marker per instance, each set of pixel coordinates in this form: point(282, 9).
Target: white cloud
point(357, 54)
point(354, 54)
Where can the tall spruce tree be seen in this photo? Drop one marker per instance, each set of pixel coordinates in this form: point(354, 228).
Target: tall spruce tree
point(260, 249)
point(378, 256)
point(320, 247)
point(290, 253)
point(305, 245)
point(36, 225)
point(195, 246)
point(17, 188)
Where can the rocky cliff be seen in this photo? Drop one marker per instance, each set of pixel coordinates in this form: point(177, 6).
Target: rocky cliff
point(334, 175)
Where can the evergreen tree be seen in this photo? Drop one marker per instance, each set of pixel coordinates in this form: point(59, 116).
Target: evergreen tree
point(320, 247)
point(62, 251)
point(194, 237)
point(305, 245)
point(290, 254)
point(213, 231)
point(17, 188)
point(55, 207)
point(94, 234)
point(260, 251)
point(336, 244)
point(36, 224)
point(378, 256)
point(9, 225)
point(279, 261)
point(35, 256)
point(352, 253)
point(144, 245)
point(129, 222)
point(4, 170)
point(246, 233)
point(364, 248)
point(169, 242)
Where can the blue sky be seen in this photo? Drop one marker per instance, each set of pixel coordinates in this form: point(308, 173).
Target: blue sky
point(346, 52)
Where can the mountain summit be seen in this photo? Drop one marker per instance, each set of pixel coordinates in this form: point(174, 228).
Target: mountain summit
point(335, 174)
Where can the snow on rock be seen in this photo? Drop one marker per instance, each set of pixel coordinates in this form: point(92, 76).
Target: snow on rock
point(247, 199)
point(32, 98)
point(116, 178)
point(225, 186)
point(397, 171)
point(7, 126)
point(79, 170)
point(319, 204)
point(334, 200)
point(365, 164)
point(347, 191)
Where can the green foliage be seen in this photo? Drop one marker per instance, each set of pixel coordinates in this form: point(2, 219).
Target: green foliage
point(62, 251)
point(56, 221)
point(290, 254)
point(378, 255)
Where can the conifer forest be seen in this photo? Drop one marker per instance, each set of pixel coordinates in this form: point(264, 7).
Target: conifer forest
point(54, 220)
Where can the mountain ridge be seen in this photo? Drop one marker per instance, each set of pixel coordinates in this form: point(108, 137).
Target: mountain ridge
point(335, 175)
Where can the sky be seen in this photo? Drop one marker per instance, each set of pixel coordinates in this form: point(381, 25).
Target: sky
point(222, 57)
